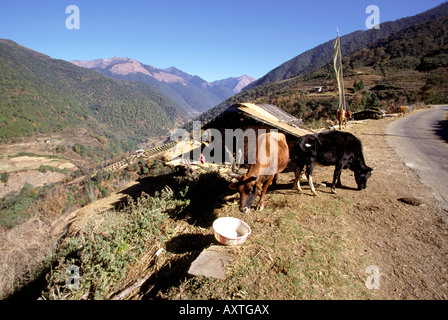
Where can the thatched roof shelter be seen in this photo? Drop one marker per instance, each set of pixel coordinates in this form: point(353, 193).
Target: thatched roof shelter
point(265, 116)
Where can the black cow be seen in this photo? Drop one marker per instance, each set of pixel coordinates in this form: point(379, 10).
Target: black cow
point(338, 148)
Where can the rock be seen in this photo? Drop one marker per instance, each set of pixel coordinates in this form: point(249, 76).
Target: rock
point(212, 262)
point(410, 200)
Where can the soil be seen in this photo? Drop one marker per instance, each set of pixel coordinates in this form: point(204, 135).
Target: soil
point(395, 224)
point(407, 240)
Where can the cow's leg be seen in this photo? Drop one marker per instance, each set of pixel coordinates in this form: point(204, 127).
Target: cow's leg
point(336, 177)
point(274, 182)
point(296, 183)
point(266, 185)
point(339, 183)
point(310, 181)
point(309, 173)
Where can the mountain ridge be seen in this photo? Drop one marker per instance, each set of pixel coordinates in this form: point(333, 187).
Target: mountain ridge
point(236, 84)
point(322, 54)
point(41, 95)
point(403, 68)
point(192, 93)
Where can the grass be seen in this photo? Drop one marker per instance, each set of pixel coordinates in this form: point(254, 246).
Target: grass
point(109, 245)
point(306, 253)
point(298, 249)
point(314, 264)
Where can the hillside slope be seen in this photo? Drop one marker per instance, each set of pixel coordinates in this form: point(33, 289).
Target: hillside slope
point(319, 56)
point(406, 67)
point(40, 95)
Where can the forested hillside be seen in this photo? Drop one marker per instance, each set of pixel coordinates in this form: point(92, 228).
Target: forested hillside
point(40, 95)
point(406, 67)
point(319, 56)
point(191, 93)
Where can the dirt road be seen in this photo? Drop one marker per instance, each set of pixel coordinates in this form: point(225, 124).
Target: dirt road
point(421, 141)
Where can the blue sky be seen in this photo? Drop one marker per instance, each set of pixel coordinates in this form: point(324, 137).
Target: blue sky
point(213, 39)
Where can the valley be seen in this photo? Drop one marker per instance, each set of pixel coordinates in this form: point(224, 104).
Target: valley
point(69, 194)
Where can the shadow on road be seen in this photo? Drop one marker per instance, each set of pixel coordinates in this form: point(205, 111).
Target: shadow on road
point(441, 129)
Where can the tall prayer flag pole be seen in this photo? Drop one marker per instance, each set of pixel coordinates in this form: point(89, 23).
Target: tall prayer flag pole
point(337, 58)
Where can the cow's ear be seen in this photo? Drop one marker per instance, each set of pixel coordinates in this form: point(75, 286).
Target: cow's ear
point(249, 180)
point(233, 186)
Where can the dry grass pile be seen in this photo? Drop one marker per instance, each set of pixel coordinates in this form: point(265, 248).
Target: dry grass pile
point(23, 252)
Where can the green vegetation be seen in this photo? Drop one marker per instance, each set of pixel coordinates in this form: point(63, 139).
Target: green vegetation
point(4, 177)
point(407, 67)
point(17, 209)
point(40, 95)
point(318, 57)
point(44, 169)
point(117, 240)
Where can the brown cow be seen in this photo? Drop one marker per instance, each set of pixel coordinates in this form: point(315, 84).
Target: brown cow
point(342, 116)
point(349, 115)
point(272, 157)
point(402, 110)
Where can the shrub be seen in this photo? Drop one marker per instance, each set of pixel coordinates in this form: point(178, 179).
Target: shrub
point(4, 177)
point(17, 209)
point(104, 191)
point(110, 243)
point(403, 63)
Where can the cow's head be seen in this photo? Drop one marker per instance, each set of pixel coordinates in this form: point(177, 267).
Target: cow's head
point(349, 114)
point(307, 144)
point(361, 177)
point(248, 188)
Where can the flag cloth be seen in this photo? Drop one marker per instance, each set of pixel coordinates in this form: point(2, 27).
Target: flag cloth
point(338, 69)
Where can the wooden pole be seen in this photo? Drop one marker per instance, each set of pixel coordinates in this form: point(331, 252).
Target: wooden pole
point(342, 73)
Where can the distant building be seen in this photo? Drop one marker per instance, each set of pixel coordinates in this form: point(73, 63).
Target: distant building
point(139, 152)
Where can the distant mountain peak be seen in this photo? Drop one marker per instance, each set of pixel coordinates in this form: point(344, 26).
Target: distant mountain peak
point(87, 101)
point(235, 84)
point(195, 95)
point(115, 65)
